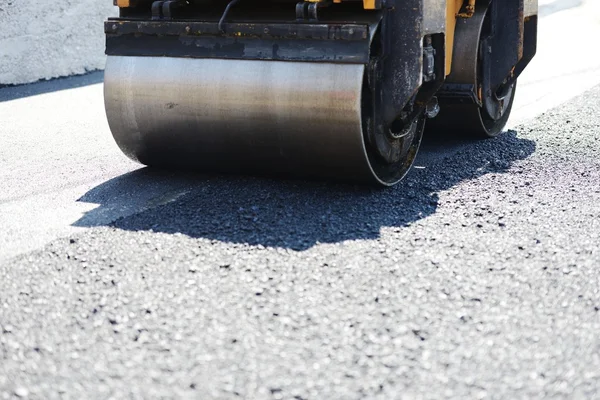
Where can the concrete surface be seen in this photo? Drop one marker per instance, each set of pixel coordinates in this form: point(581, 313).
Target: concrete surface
point(564, 65)
point(43, 40)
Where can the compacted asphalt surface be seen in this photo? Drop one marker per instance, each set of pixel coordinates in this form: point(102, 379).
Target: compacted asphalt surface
point(478, 276)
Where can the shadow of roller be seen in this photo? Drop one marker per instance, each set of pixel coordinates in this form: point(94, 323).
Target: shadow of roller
point(294, 214)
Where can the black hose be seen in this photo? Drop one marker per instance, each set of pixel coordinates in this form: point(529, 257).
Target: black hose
point(222, 20)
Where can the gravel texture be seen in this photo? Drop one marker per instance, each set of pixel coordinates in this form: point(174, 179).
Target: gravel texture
point(477, 277)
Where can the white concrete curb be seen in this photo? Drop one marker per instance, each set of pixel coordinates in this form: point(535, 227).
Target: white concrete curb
point(44, 40)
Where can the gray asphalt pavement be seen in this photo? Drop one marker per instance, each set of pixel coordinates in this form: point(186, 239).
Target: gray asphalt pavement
point(476, 277)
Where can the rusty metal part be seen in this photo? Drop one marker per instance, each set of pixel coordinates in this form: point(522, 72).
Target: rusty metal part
point(468, 9)
point(527, 52)
point(294, 118)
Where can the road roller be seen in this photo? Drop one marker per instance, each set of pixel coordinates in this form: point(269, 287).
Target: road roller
point(333, 89)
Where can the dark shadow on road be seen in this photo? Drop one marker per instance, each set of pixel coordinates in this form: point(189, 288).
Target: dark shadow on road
point(13, 92)
point(295, 214)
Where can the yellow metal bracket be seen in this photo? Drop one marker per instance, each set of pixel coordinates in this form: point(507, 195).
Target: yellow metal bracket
point(124, 3)
point(371, 4)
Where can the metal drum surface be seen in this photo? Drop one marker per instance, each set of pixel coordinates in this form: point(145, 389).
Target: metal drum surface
point(248, 116)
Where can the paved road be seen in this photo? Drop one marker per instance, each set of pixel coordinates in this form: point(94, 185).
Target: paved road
point(476, 277)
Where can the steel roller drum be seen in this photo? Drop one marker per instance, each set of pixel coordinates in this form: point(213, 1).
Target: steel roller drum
point(296, 118)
